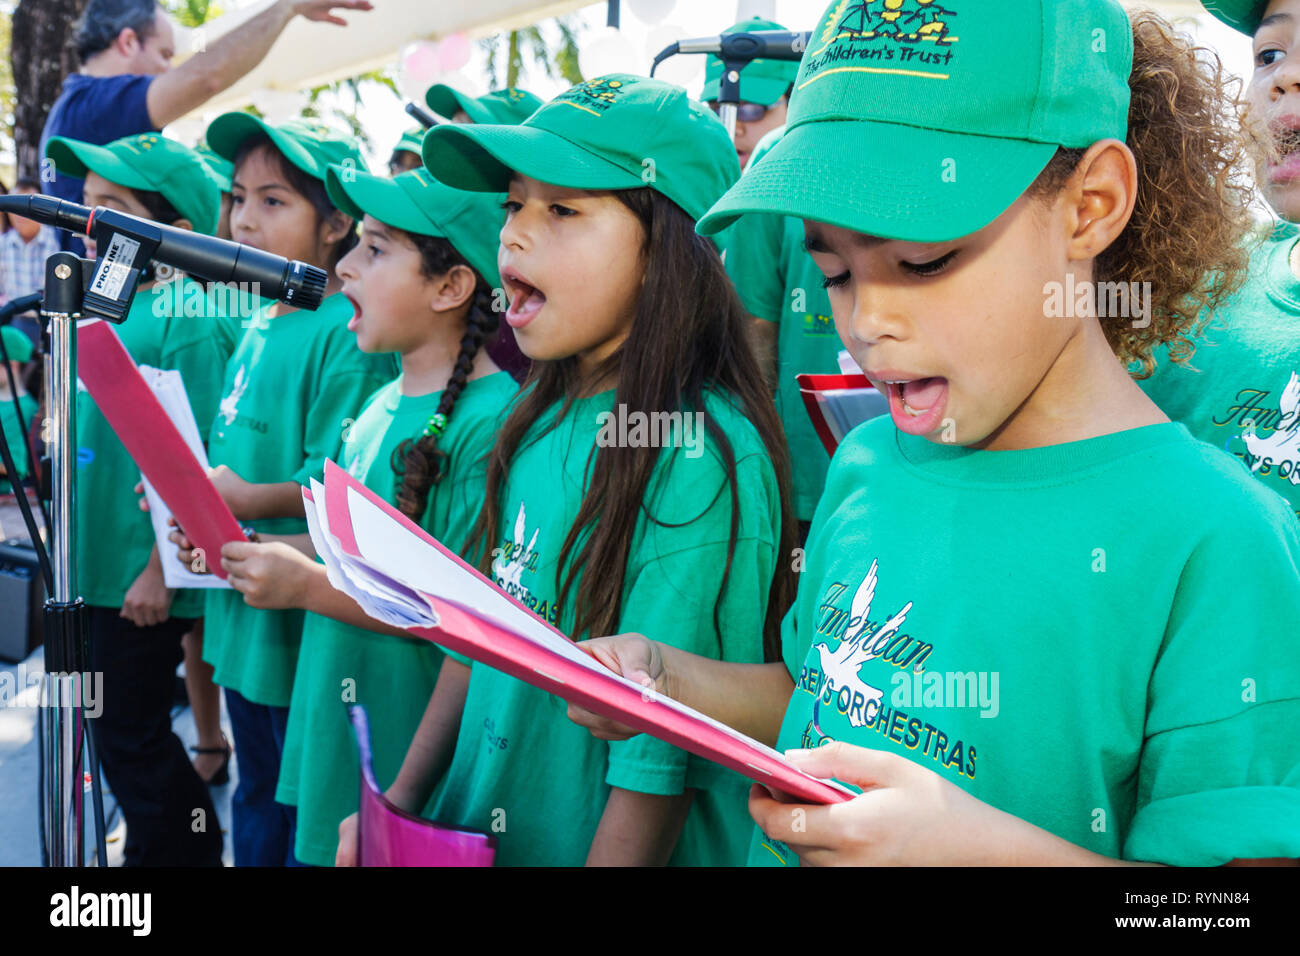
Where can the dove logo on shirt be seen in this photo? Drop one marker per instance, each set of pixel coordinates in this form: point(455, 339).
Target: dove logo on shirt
point(229, 408)
point(1278, 451)
point(509, 562)
point(835, 680)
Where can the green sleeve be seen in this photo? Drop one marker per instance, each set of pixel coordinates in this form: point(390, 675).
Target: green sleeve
point(672, 601)
point(1219, 772)
point(757, 266)
point(338, 398)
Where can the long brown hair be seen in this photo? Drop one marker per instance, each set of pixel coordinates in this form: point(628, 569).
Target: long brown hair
point(418, 461)
point(690, 335)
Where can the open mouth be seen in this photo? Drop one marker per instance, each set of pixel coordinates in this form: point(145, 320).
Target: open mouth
point(526, 299)
point(355, 321)
point(916, 404)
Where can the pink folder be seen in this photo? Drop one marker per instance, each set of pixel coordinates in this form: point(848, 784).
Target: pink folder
point(466, 631)
point(153, 442)
point(389, 836)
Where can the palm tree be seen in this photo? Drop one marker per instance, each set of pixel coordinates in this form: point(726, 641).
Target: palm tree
point(511, 46)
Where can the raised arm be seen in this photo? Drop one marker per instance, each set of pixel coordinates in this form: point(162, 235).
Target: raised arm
point(229, 58)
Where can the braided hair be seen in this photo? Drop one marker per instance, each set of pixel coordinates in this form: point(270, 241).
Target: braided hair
point(419, 462)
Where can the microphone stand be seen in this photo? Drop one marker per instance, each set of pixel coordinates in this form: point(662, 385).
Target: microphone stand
point(737, 51)
point(67, 653)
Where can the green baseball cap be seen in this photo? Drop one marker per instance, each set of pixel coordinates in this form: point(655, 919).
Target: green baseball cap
point(925, 123)
point(412, 140)
point(416, 202)
point(761, 81)
point(614, 132)
point(1243, 15)
point(151, 162)
point(312, 147)
point(17, 345)
point(223, 169)
point(510, 106)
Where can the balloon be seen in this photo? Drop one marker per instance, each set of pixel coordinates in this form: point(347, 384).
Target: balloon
point(651, 11)
point(684, 70)
point(417, 70)
point(453, 53)
point(610, 51)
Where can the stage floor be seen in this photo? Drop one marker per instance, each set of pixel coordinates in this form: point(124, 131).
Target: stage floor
point(19, 818)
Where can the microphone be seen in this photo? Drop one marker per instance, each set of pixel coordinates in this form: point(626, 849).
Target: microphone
point(121, 237)
point(16, 307)
point(742, 47)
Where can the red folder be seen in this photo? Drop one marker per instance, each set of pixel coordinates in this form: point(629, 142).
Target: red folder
point(153, 442)
point(819, 390)
point(467, 631)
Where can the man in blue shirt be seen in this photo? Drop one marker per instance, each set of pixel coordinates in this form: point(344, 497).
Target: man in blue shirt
point(127, 84)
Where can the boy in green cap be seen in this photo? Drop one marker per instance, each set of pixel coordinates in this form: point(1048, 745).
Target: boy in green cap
point(406, 154)
point(421, 283)
point(764, 87)
point(1008, 628)
point(15, 421)
point(292, 388)
point(135, 621)
point(794, 330)
point(1240, 389)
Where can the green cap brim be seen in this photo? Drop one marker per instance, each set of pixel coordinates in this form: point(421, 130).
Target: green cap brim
point(73, 158)
point(483, 158)
point(885, 180)
point(445, 101)
point(753, 89)
point(229, 130)
point(17, 345)
point(381, 198)
point(1241, 15)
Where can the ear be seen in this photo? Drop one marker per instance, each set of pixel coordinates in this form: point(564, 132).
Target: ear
point(183, 223)
point(335, 227)
point(127, 42)
point(453, 289)
point(1100, 197)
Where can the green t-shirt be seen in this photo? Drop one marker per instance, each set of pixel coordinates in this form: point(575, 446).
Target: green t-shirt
point(522, 770)
point(1246, 369)
point(15, 430)
point(779, 282)
point(1079, 641)
point(114, 537)
point(392, 677)
point(293, 386)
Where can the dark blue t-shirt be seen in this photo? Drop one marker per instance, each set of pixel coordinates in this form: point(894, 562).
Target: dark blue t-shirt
point(95, 109)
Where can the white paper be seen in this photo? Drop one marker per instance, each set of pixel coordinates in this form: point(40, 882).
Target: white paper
point(169, 389)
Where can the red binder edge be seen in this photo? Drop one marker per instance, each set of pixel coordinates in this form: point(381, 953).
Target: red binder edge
point(810, 385)
point(461, 630)
point(155, 445)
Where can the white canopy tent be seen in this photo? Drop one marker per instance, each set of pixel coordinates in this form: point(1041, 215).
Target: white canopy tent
point(309, 54)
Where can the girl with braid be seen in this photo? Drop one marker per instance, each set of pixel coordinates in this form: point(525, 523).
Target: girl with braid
point(420, 285)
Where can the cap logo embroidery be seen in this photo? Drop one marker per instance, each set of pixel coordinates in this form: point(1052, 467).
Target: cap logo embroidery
point(593, 96)
point(854, 29)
